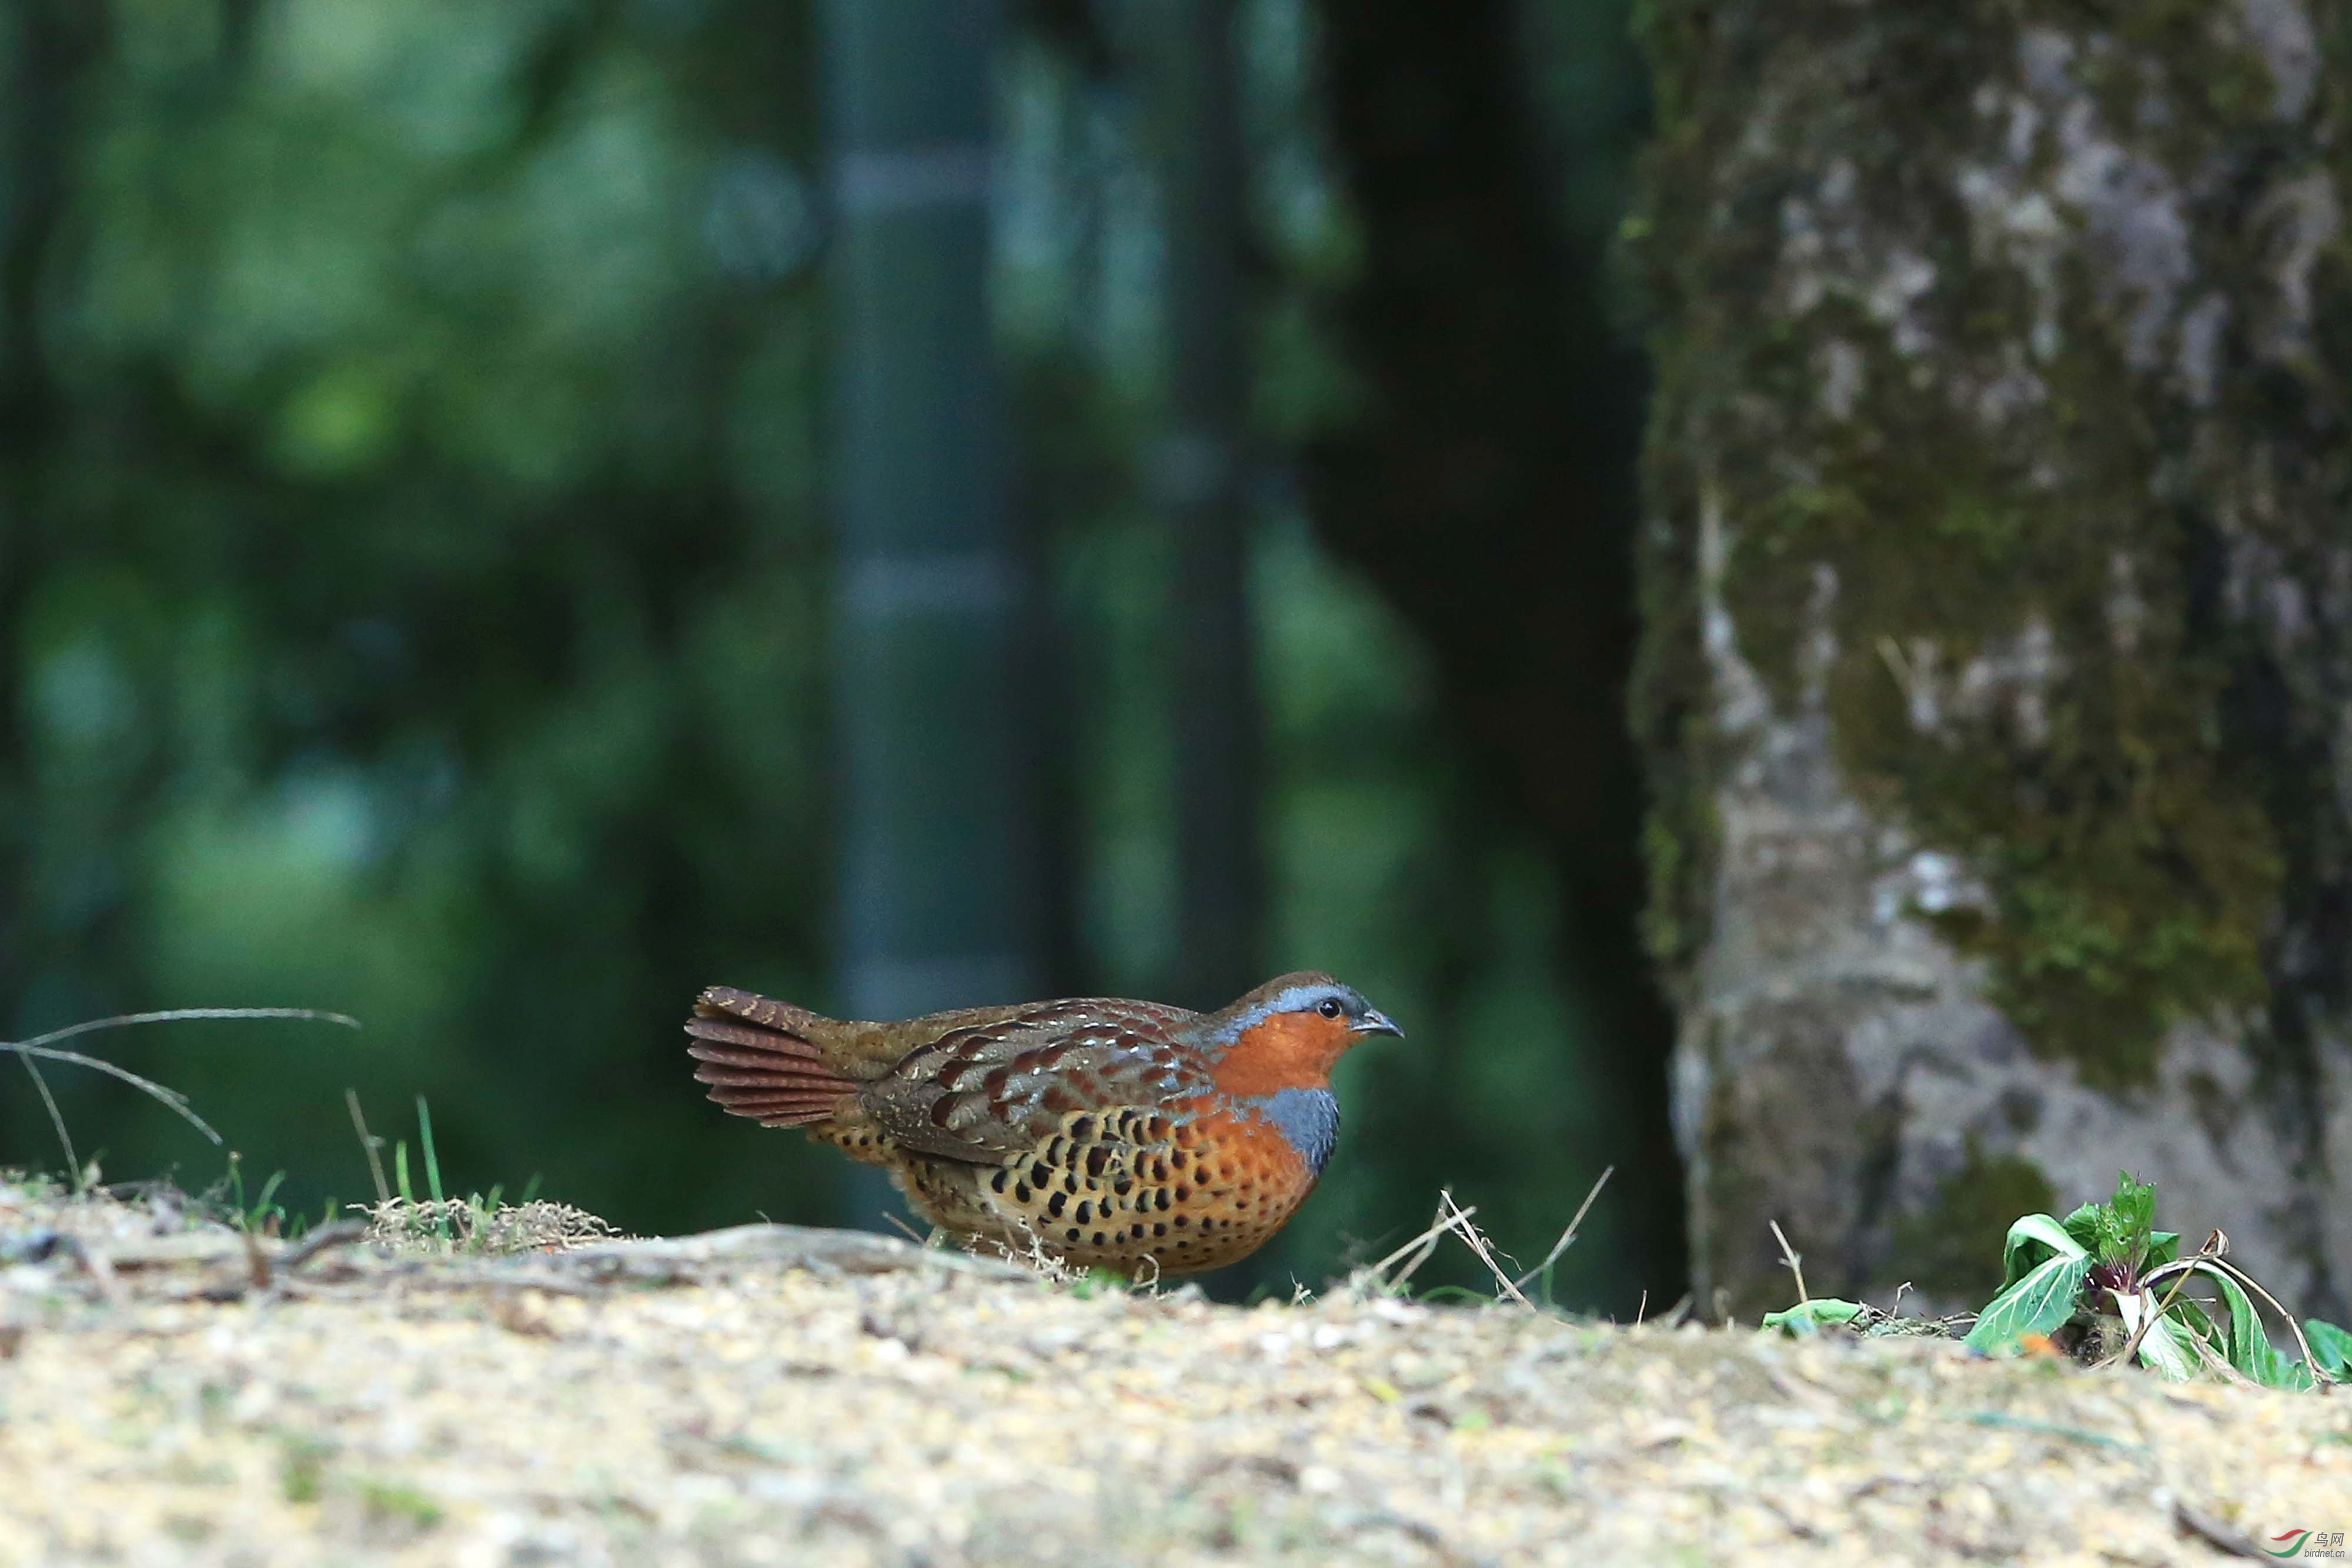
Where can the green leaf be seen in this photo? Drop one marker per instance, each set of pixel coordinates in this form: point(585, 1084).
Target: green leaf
point(2163, 1247)
point(2330, 1347)
point(2193, 1313)
point(2133, 1221)
point(2122, 1230)
point(1807, 1316)
point(2039, 1303)
point(2033, 1240)
point(2247, 1346)
point(2167, 1349)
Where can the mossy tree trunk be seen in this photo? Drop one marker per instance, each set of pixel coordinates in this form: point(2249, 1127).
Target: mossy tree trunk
point(1998, 678)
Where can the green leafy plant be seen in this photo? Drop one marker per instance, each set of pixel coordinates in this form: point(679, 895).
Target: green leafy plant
point(2106, 1286)
point(2105, 1283)
point(1815, 1312)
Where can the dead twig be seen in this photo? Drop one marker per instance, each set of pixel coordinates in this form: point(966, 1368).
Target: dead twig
point(2249, 1282)
point(2206, 1254)
point(1891, 654)
point(1567, 1237)
point(342, 1233)
point(2213, 1532)
point(1795, 1262)
point(257, 1273)
point(57, 1119)
point(1418, 1250)
point(44, 1047)
point(182, 1014)
point(1475, 1239)
point(368, 1146)
point(172, 1099)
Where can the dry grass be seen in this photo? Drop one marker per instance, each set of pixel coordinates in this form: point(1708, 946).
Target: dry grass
point(470, 1227)
point(770, 1394)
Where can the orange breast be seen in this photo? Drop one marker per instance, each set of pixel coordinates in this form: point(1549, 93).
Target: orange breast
point(1244, 1181)
point(1287, 1050)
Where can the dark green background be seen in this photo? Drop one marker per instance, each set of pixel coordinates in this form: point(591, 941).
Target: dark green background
point(415, 580)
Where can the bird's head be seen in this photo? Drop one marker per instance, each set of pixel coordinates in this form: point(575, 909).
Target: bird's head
point(1287, 1033)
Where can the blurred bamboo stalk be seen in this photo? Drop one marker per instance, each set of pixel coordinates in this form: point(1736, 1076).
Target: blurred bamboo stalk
point(1197, 487)
point(938, 875)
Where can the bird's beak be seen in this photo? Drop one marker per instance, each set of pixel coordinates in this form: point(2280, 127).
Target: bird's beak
point(1375, 1022)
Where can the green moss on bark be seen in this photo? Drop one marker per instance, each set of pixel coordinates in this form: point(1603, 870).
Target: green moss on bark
point(2023, 670)
point(1680, 833)
point(1952, 1250)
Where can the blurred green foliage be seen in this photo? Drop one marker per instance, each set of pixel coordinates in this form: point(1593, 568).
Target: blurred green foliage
point(419, 590)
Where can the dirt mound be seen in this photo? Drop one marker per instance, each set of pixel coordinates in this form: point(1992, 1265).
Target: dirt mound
point(172, 1391)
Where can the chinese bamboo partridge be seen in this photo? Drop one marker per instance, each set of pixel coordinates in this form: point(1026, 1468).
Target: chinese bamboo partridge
point(1114, 1134)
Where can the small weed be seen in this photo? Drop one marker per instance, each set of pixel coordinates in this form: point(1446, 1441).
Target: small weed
point(390, 1503)
point(261, 1215)
point(301, 1467)
point(479, 1225)
point(1095, 1282)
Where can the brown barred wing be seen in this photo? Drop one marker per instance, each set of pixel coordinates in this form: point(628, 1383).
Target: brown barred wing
point(987, 1093)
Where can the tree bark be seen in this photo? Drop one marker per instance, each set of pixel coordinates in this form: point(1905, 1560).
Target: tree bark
point(1997, 675)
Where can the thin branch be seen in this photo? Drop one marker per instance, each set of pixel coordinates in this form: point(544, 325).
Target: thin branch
point(342, 1233)
point(369, 1145)
point(44, 1047)
point(1898, 666)
point(172, 1098)
point(1420, 1246)
point(1567, 1237)
point(2187, 1266)
point(57, 1119)
point(2318, 1373)
point(1795, 1262)
point(183, 1015)
point(1477, 1243)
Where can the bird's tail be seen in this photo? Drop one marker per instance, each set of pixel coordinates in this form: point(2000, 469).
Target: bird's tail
point(757, 1055)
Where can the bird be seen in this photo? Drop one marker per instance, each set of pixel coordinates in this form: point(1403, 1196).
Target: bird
point(1107, 1133)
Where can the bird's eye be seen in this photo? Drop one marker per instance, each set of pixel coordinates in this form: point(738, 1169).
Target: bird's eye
point(1329, 1007)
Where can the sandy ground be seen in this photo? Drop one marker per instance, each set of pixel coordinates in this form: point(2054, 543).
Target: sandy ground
point(778, 1395)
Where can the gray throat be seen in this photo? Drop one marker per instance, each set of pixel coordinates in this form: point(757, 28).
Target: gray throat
point(1309, 1118)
